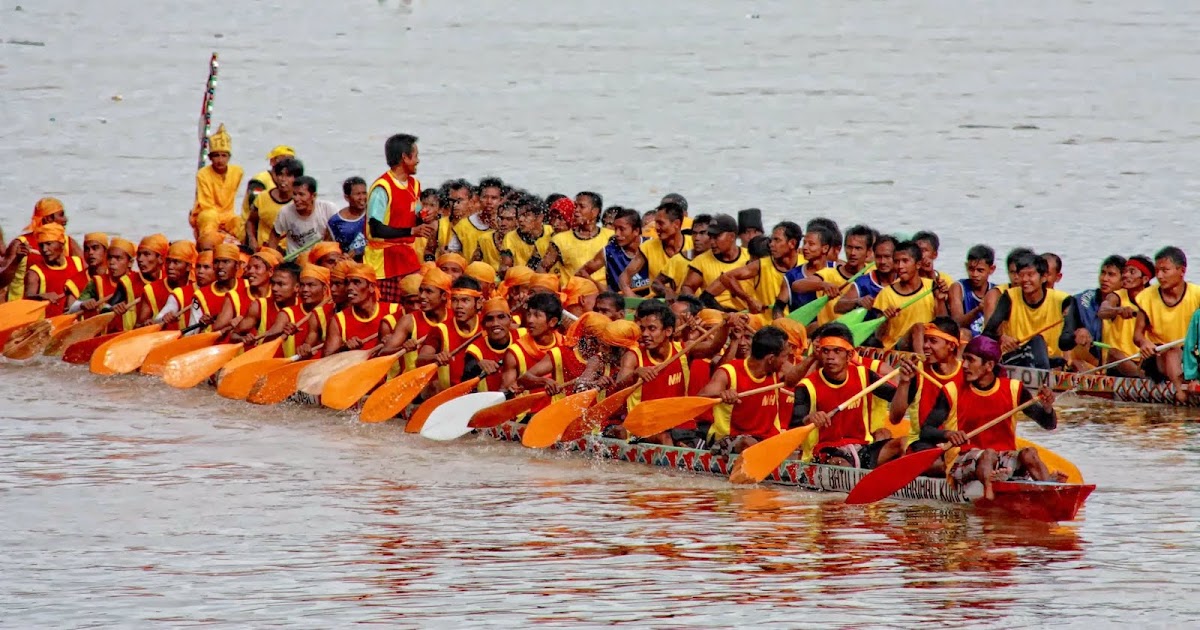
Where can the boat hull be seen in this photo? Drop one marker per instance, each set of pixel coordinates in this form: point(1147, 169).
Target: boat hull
point(1041, 501)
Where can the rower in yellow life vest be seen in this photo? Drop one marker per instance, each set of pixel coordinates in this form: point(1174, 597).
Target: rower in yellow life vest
point(23, 249)
point(929, 243)
point(908, 284)
point(1119, 314)
point(1029, 307)
point(528, 243)
point(573, 249)
point(759, 282)
point(51, 276)
point(656, 255)
point(706, 268)
point(1165, 310)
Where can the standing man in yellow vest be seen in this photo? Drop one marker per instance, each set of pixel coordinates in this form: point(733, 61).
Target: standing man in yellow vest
point(217, 187)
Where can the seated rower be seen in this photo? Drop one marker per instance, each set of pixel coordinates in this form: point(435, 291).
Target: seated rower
point(900, 322)
point(624, 245)
point(844, 438)
point(263, 312)
point(579, 296)
point(453, 264)
point(408, 332)
point(992, 297)
point(805, 282)
point(706, 268)
point(116, 288)
point(1164, 313)
point(327, 254)
point(929, 243)
point(657, 254)
point(357, 326)
point(967, 295)
point(1028, 307)
point(338, 289)
point(567, 362)
point(528, 243)
point(484, 357)
point(543, 312)
point(740, 422)
point(95, 253)
point(1088, 305)
point(763, 277)
point(188, 297)
point(23, 249)
point(485, 275)
point(993, 455)
point(644, 364)
point(166, 297)
point(609, 304)
point(254, 285)
point(302, 334)
point(50, 276)
point(862, 294)
point(1119, 314)
point(445, 338)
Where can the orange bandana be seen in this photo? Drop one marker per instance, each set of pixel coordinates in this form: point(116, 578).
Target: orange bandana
point(183, 251)
point(155, 243)
point(44, 207)
point(515, 277)
point(315, 272)
point(411, 284)
point(227, 251)
point(269, 256)
point(592, 324)
point(452, 259)
point(96, 237)
point(323, 249)
point(123, 245)
point(483, 272)
point(496, 305)
point(797, 335)
point(578, 288)
point(342, 269)
point(209, 240)
point(835, 342)
point(621, 333)
point(51, 232)
point(362, 272)
point(472, 293)
point(547, 281)
point(437, 279)
point(710, 317)
point(935, 332)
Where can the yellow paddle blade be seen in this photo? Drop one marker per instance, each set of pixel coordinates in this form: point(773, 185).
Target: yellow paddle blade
point(652, 417)
point(63, 321)
point(347, 387)
point(85, 329)
point(393, 396)
point(258, 353)
point(547, 426)
point(96, 362)
point(237, 383)
point(312, 380)
point(759, 461)
point(158, 357)
point(278, 384)
point(498, 414)
point(192, 368)
point(1053, 461)
point(593, 417)
point(19, 307)
point(422, 413)
point(29, 340)
point(127, 355)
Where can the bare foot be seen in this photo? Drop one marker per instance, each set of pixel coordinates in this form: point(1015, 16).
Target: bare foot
point(988, 494)
point(1000, 474)
point(1058, 477)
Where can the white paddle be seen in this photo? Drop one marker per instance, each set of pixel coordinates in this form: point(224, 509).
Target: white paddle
point(449, 421)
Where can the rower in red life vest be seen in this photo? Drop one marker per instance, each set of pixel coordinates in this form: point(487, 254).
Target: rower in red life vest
point(406, 331)
point(23, 249)
point(448, 336)
point(255, 288)
point(543, 311)
point(843, 438)
point(645, 363)
point(485, 356)
point(95, 253)
point(171, 266)
point(569, 360)
point(116, 288)
point(52, 273)
point(742, 421)
point(227, 272)
point(264, 312)
point(357, 326)
point(992, 455)
point(302, 333)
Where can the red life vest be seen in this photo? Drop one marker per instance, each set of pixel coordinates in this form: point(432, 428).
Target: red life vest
point(451, 338)
point(756, 415)
point(56, 279)
point(671, 382)
point(184, 295)
point(700, 373)
point(297, 314)
point(211, 299)
point(849, 426)
point(398, 256)
point(482, 350)
point(976, 408)
point(353, 326)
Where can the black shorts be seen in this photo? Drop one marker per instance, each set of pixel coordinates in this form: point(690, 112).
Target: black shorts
point(690, 438)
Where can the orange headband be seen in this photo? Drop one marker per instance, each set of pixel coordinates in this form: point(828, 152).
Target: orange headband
point(183, 251)
point(452, 258)
point(227, 251)
point(496, 305)
point(835, 342)
point(123, 245)
point(437, 279)
point(315, 272)
point(44, 207)
point(592, 324)
point(577, 288)
point(483, 272)
point(96, 237)
point(472, 293)
point(342, 269)
point(51, 232)
point(269, 256)
point(621, 333)
point(933, 331)
point(323, 249)
point(516, 276)
point(710, 316)
point(205, 258)
point(156, 243)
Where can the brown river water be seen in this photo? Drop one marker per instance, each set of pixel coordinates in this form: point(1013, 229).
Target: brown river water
point(1064, 126)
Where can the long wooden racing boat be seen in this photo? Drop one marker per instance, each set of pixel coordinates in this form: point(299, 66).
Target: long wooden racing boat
point(1111, 388)
point(1042, 501)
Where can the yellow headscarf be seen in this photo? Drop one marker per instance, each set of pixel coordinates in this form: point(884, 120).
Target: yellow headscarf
point(44, 207)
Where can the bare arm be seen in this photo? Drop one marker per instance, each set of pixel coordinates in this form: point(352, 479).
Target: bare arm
point(692, 282)
point(625, 281)
point(592, 266)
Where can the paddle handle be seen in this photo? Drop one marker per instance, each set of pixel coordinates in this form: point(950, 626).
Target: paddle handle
point(1132, 357)
point(916, 298)
point(1039, 332)
point(298, 324)
point(861, 272)
point(991, 423)
point(761, 390)
point(463, 346)
point(866, 390)
point(296, 254)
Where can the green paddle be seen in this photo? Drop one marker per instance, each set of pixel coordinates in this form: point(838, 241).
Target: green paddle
point(866, 329)
point(805, 314)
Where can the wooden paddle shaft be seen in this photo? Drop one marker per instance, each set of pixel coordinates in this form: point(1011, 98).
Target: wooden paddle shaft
point(1132, 357)
point(991, 423)
point(298, 324)
point(691, 346)
point(463, 346)
point(761, 390)
point(866, 390)
point(1039, 332)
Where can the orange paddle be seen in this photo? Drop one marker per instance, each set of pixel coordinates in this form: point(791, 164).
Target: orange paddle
point(393, 396)
point(655, 416)
point(497, 415)
point(422, 413)
point(760, 460)
point(157, 359)
point(85, 329)
point(82, 351)
point(275, 386)
point(191, 368)
point(547, 426)
point(28, 340)
point(258, 353)
point(593, 417)
point(236, 384)
point(96, 361)
point(126, 355)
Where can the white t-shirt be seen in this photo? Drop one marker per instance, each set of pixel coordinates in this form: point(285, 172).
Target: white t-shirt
point(301, 231)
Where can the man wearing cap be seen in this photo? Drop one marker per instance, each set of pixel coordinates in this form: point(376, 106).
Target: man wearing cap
point(484, 357)
point(48, 278)
point(447, 337)
point(992, 455)
point(23, 249)
point(217, 187)
point(750, 224)
point(265, 208)
point(358, 326)
point(158, 295)
point(707, 268)
point(304, 219)
point(394, 221)
point(407, 332)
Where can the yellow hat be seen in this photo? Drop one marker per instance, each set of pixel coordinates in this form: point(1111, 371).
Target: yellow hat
point(96, 237)
point(123, 245)
point(220, 142)
point(483, 272)
point(411, 284)
point(621, 333)
point(281, 151)
point(51, 232)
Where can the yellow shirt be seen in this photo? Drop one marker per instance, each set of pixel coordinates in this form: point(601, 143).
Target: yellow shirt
point(768, 283)
point(711, 268)
point(657, 261)
point(575, 252)
point(834, 277)
point(488, 251)
point(1118, 332)
point(522, 251)
point(1168, 323)
point(217, 192)
point(1024, 320)
point(469, 237)
point(268, 209)
point(919, 313)
point(443, 238)
point(263, 178)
